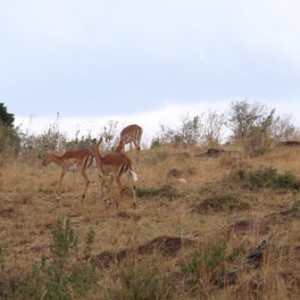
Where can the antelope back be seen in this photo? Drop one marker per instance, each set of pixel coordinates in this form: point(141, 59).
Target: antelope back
point(114, 162)
point(79, 154)
point(131, 133)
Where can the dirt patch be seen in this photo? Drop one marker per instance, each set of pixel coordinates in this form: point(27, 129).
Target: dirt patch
point(6, 213)
point(211, 152)
point(290, 143)
point(263, 226)
point(246, 226)
point(174, 173)
point(168, 246)
point(123, 215)
point(165, 245)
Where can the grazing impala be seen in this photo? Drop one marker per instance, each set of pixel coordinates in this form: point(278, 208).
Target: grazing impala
point(114, 164)
point(130, 134)
point(71, 160)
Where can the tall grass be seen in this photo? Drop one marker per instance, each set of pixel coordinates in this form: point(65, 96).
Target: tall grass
point(49, 249)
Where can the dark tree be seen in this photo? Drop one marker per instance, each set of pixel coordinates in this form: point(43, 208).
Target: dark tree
point(9, 138)
point(6, 119)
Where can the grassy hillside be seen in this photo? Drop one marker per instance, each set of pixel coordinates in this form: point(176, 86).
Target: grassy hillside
point(220, 227)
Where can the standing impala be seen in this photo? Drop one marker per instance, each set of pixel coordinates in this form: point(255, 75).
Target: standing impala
point(130, 134)
point(71, 160)
point(114, 164)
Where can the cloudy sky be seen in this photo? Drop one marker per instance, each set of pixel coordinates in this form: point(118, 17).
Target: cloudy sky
point(146, 61)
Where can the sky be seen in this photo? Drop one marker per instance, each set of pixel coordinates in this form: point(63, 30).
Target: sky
point(145, 61)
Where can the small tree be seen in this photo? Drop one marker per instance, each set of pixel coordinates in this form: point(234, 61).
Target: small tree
point(283, 129)
point(9, 138)
point(166, 136)
point(251, 124)
point(34, 145)
point(243, 117)
point(109, 135)
point(212, 128)
point(6, 119)
point(193, 131)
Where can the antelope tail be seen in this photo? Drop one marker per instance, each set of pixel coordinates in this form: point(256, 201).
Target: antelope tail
point(133, 175)
point(127, 168)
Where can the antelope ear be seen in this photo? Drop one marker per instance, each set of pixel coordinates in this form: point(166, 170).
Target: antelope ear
point(100, 140)
point(94, 141)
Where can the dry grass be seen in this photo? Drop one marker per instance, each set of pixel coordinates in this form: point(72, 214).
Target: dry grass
point(29, 210)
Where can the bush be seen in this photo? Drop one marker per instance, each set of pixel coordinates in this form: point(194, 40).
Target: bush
point(267, 178)
point(140, 280)
point(203, 263)
point(222, 202)
point(61, 277)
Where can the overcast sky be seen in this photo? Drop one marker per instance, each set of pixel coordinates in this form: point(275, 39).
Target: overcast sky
point(146, 60)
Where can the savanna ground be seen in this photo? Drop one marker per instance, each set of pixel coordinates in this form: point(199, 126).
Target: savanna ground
point(224, 227)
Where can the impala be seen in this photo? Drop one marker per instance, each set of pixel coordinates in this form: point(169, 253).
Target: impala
point(114, 164)
point(71, 160)
point(131, 134)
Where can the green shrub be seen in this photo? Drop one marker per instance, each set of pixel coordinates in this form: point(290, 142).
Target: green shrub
point(141, 281)
point(287, 180)
point(203, 263)
point(90, 238)
point(262, 178)
point(222, 202)
point(61, 277)
point(64, 240)
point(267, 178)
point(296, 204)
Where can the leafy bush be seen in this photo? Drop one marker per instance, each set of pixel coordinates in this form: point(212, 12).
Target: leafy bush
point(140, 280)
point(61, 277)
point(269, 178)
point(221, 202)
point(203, 266)
point(262, 178)
point(203, 263)
point(296, 205)
point(286, 180)
point(9, 141)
